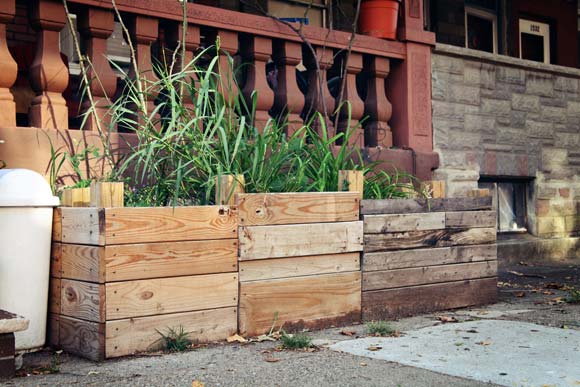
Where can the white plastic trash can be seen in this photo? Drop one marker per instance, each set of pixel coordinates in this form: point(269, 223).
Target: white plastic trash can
point(26, 206)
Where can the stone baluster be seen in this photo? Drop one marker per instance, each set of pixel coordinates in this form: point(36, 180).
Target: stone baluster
point(144, 32)
point(346, 121)
point(48, 74)
point(378, 109)
point(318, 97)
point(228, 44)
point(288, 99)
point(256, 51)
point(8, 67)
point(95, 26)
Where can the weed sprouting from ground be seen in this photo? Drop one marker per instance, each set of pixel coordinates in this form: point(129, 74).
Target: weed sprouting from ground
point(295, 341)
point(573, 296)
point(176, 339)
point(381, 328)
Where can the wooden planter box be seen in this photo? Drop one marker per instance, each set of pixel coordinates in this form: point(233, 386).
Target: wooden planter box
point(121, 274)
point(299, 260)
point(421, 257)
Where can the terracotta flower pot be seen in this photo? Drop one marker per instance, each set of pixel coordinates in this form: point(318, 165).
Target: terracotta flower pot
point(378, 18)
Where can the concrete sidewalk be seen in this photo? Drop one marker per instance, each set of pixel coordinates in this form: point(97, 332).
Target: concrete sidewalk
point(533, 299)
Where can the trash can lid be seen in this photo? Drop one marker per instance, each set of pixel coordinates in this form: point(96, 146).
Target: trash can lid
point(25, 188)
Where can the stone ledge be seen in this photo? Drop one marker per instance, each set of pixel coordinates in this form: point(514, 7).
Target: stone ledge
point(469, 54)
point(10, 322)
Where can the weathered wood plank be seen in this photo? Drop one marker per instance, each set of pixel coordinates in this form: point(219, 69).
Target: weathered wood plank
point(56, 225)
point(313, 301)
point(468, 219)
point(388, 279)
point(107, 194)
point(76, 197)
point(129, 336)
point(226, 188)
point(83, 338)
point(167, 224)
point(83, 226)
point(54, 295)
point(53, 330)
point(156, 260)
point(297, 208)
point(410, 301)
point(402, 206)
point(56, 260)
point(298, 240)
point(265, 269)
point(352, 181)
point(84, 263)
point(170, 295)
point(388, 260)
point(377, 224)
point(82, 300)
point(428, 238)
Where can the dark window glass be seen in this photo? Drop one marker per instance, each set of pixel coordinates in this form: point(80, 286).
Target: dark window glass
point(532, 47)
point(479, 33)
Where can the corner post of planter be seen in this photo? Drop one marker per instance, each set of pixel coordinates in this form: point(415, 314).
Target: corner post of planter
point(409, 83)
point(436, 187)
point(226, 188)
point(352, 181)
point(76, 197)
point(107, 194)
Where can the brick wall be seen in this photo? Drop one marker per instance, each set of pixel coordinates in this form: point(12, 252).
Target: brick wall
point(500, 116)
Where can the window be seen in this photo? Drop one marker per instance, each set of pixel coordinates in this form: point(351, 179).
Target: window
point(509, 199)
point(311, 13)
point(534, 41)
point(480, 30)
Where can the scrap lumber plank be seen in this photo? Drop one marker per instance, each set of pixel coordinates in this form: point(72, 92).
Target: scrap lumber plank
point(388, 279)
point(84, 263)
point(129, 336)
point(167, 224)
point(401, 206)
point(300, 302)
point(156, 260)
point(226, 188)
point(261, 242)
point(56, 225)
point(83, 225)
point(410, 301)
point(297, 208)
point(83, 338)
point(54, 295)
point(352, 181)
point(469, 219)
point(388, 260)
point(377, 224)
point(170, 295)
point(76, 197)
point(106, 194)
point(428, 238)
point(53, 330)
point(265, 269)
point(56, 260)
point(82, 300)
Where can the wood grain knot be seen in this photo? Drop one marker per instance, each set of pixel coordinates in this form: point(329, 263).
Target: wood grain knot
point(146, 295)
point(70, 295)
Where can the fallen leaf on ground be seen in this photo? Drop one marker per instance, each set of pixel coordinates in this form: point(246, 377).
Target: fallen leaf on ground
point(522, 263)
point(447, 319)
point(548, 293)
point(554, 285)
point(520, 294)
point(265, 338)
point(526, 275)
point(484, 343)
point(272, 359)
point(347, 332)
point(197, 383)
point(374, 348)
point(237, 338)
point(472, 331)
point(363, 364)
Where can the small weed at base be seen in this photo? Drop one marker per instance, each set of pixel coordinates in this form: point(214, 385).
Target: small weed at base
point(176, 339)
point(295, 341)
point(573, 296)
point(381, 328)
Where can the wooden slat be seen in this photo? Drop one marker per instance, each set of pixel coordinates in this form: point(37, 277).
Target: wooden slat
point(166, 224)
point(260, 242)
point(376, 224)
point(171, 295)
point(226, 188)
point(156, 260)
point(84, 263)
point(76, 197)
point(388, 279)
point(83, 226)
point(54, 295)
point(468, 219)
point(264, 269)
point(313, 301)
point(83, 338)
point(388, 260)
point(53, 330)
point(410, 301)
point(352, 181)
point(106, 194)
point(402, 206)
point(83, 300)
point(56, 260)
point(297, 208)
point(428, 238)
point(56, 225)
point(129, 336)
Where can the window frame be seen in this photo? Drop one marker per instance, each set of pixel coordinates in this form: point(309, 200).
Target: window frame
point(483, 14)
point(527, 23)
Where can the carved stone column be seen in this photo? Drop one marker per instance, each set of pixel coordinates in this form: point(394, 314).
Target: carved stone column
point(256, 51)
point(318, 97)
point(95, 26)
point(8, 67)
point(354, 66)
point(48, 74)
point(377, 106)
point(288, 99)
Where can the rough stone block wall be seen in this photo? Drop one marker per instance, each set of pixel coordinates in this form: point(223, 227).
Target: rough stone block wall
point(500, 116)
